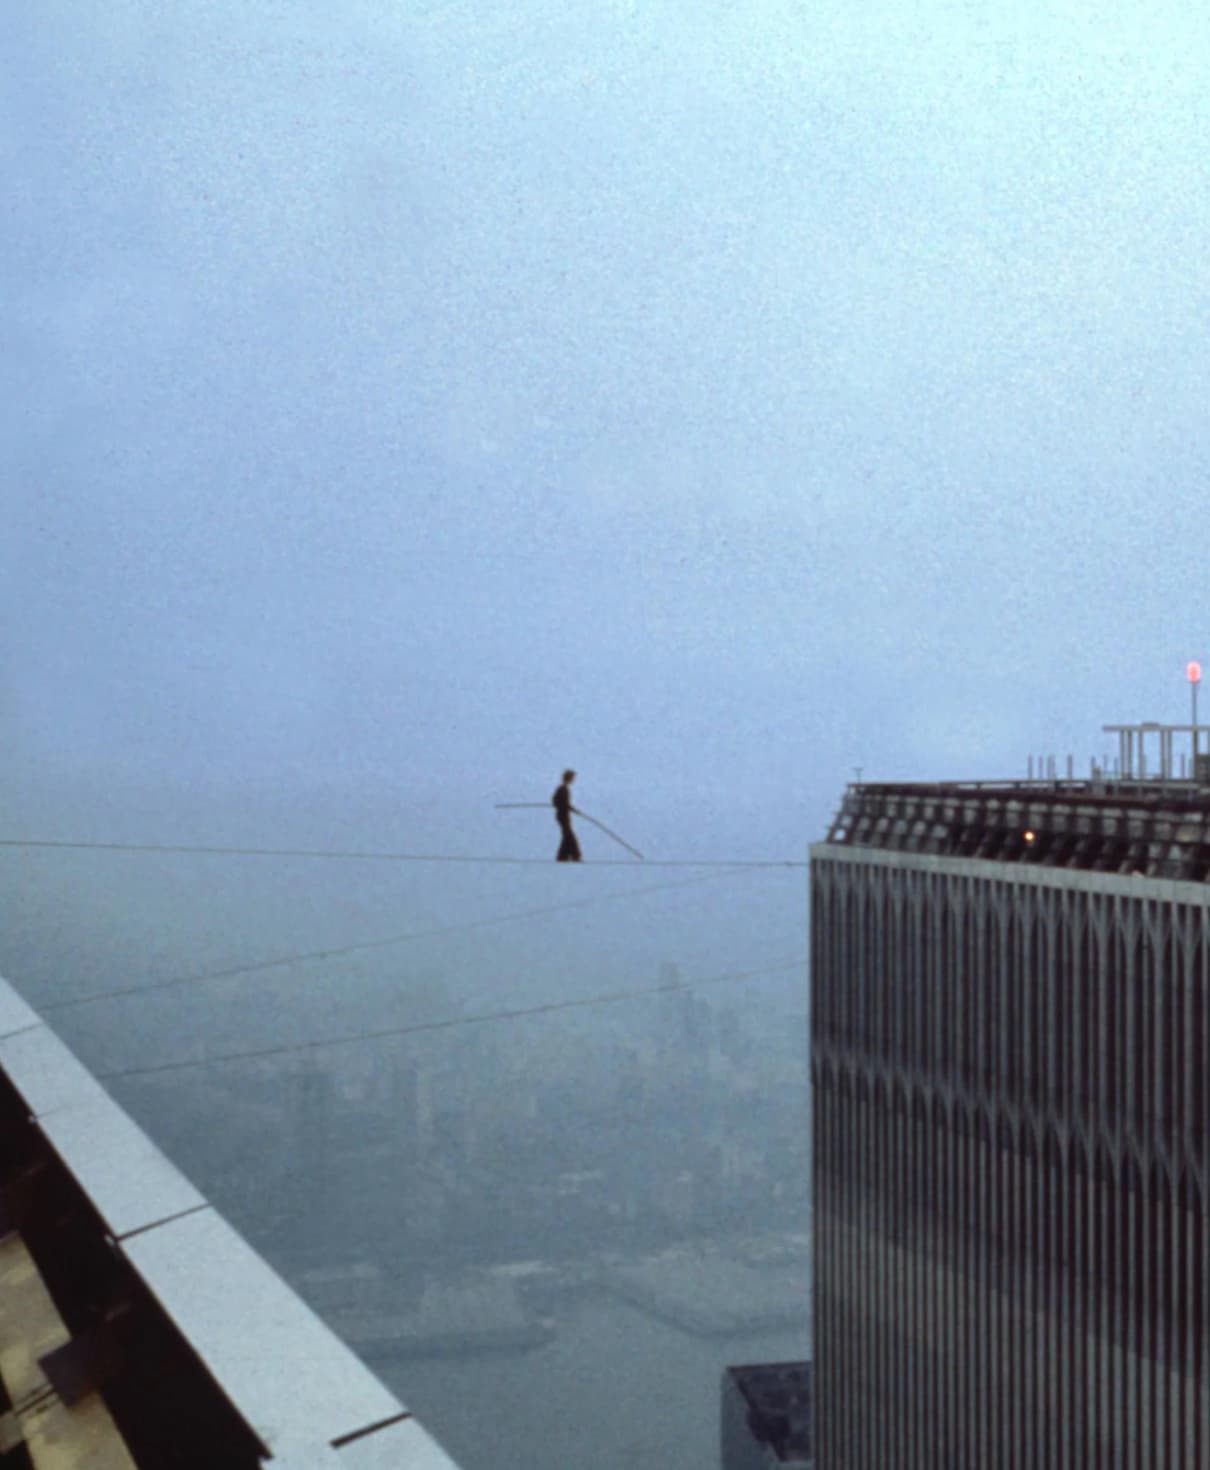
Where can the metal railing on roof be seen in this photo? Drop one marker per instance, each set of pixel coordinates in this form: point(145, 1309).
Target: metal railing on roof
point(1158, 830)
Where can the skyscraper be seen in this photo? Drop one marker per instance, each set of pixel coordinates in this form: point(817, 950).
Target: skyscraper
point(1009, 1045)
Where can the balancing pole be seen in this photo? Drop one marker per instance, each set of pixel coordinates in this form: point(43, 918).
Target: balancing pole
point(620, 840)
point(536, 805)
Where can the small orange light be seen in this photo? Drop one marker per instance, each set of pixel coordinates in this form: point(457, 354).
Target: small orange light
point(1029, 836)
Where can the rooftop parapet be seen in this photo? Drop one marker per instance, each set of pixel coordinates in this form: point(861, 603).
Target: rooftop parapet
point(138, 1330)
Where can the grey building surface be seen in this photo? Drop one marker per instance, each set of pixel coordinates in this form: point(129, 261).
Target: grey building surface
point(1009, 1043)
point(137, 1328)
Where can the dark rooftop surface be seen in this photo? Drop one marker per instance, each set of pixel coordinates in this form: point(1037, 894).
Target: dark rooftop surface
point(778, 1396)
point(1160, 829)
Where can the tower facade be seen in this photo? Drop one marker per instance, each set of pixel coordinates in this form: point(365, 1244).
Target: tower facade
point(1009, 1061)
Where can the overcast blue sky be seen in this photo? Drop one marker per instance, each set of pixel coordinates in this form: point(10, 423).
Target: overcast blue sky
point(712, 397)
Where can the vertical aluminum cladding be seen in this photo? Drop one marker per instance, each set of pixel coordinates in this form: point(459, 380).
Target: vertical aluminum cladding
point(1009, 1066)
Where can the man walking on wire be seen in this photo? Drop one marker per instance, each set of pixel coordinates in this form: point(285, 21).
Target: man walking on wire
point(569, 847)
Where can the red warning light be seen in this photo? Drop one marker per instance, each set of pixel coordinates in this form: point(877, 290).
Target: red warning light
point(1193, 671)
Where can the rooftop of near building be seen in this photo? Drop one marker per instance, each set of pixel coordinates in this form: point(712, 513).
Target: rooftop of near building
point(137, 1328)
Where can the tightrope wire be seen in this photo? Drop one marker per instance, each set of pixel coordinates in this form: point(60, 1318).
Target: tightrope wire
point(338, 951)
point(547, 1008)
point(339, 855)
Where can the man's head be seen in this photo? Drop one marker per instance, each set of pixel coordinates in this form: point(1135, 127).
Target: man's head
point(568, 777)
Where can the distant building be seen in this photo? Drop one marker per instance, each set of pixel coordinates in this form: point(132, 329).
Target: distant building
point(766, 1417)
point(1010, 1034)
point(137, 1329)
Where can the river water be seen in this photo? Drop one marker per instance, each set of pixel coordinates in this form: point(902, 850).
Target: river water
point(616, 1389)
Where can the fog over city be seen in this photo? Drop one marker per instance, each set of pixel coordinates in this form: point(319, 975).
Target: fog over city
point(404, 402)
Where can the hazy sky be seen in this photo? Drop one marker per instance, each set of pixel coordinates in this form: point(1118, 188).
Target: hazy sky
point(712, 397)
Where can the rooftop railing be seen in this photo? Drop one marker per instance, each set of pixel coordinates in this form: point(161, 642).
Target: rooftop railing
point(1155, 829)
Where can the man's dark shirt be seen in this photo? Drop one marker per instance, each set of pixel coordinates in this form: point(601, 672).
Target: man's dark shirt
point(562, 801)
